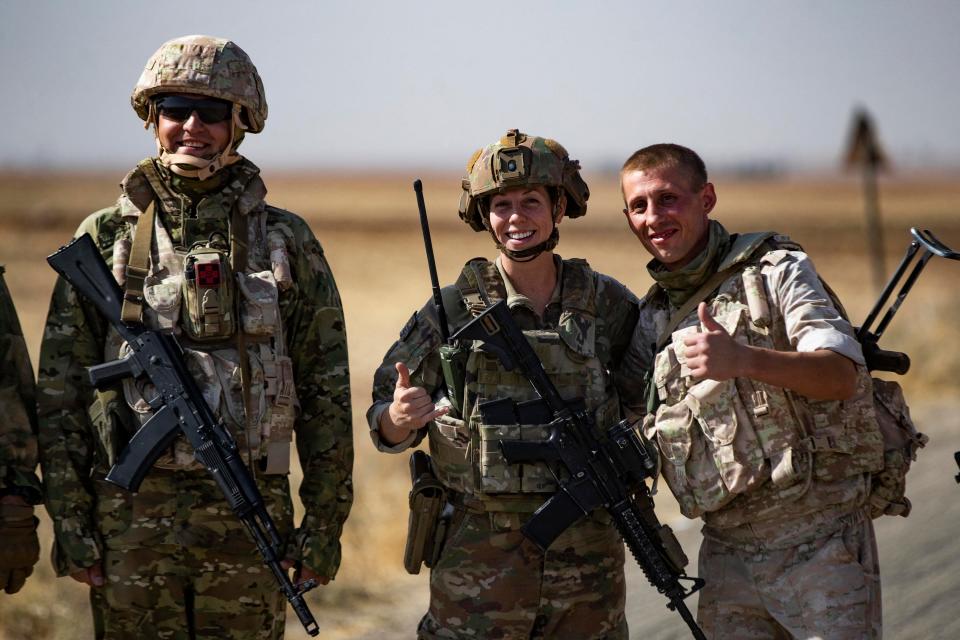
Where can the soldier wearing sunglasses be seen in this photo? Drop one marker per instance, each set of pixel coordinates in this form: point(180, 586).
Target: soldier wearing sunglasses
point(199, 253)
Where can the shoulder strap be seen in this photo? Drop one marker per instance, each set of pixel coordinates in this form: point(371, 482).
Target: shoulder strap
point(138, 266)
point(699, 296)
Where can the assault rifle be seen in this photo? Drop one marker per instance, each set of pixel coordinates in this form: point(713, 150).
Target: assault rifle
point(894, 361)
point(602, 469)
point(179, 408)
point(879, 359)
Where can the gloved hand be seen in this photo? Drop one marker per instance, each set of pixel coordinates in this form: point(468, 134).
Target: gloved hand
point(19, 546)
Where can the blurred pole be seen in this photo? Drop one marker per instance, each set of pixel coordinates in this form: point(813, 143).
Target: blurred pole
point(871, 200)
point(863, 150)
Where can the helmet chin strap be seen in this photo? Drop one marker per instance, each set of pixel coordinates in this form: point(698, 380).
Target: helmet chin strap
point(189, 166)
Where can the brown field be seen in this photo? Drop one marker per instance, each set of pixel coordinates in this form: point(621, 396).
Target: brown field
point(369, 229)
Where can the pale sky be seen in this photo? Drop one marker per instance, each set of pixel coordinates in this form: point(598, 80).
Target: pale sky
point(386, 85)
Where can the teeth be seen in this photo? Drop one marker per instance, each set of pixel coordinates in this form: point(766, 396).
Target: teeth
point(519, 235)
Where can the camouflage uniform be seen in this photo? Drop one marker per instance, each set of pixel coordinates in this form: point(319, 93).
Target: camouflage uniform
point(177, 562)
point(780, 480)
point(489, 581)
point(18, 451)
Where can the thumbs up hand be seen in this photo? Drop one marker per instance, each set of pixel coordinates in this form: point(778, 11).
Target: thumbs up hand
point(713, 353)
point(411, 409)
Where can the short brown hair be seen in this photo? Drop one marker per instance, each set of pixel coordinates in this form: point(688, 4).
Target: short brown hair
point(668, 155)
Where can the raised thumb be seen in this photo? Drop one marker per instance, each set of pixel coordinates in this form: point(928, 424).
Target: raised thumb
point(707, 320)
point(403, 375)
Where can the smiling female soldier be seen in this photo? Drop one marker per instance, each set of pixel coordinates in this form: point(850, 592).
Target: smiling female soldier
point(488, 581)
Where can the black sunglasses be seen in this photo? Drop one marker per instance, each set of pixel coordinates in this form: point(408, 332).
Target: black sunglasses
point(178, 109)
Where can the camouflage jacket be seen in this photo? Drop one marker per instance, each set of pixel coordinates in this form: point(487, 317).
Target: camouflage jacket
point(417, 347)
point(73, 451)
point(18, 418)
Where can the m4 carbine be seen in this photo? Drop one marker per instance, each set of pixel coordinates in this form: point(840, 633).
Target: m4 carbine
point(599, 469)
point(178, 407)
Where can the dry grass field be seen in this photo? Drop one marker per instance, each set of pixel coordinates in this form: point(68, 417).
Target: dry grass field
point(369, 229)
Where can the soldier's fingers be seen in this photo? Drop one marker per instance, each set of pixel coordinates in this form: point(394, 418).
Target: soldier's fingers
point(410, 394)
point(436, 413)
point(403, 375)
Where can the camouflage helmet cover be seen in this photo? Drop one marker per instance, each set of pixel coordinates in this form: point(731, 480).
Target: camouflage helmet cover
point(518, 159)
point(207, 66)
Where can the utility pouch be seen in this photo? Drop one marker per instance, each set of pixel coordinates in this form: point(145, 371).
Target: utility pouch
point(453, 362)
point(208, 295)
point(901, 442)
point(428, 499)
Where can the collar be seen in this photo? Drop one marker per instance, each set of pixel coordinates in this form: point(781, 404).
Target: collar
point(518, 299)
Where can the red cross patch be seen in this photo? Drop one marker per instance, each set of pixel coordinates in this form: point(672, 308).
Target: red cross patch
point(208, 274)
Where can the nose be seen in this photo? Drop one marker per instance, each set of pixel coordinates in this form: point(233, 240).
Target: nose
point(193, 121)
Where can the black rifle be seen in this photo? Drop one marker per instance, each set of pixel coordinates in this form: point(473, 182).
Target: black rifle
point(178, 407)
point(602, 469)
point(894, 361)
point(879, 359)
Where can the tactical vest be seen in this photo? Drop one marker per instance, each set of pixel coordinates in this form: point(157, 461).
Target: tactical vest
point(215, 313)
point(721, 440)
point(466, 452)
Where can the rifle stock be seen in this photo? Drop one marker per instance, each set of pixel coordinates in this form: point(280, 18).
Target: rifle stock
point(179, 408)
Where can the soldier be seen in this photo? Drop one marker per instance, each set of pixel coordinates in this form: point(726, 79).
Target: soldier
point(19, 485)
point(245, 288)
point(488, 581)
point(761, 405)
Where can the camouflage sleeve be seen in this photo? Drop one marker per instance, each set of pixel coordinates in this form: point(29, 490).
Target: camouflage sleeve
point(617, 308)
point(18, 416)
point(317, 340)
point(417, 348)
point(72, 340)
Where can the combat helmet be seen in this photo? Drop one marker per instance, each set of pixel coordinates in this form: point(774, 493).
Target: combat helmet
point(207, 66)
point(518, 159)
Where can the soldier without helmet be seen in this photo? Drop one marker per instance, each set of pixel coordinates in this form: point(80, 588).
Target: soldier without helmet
point(760, 404)
point(240, 283)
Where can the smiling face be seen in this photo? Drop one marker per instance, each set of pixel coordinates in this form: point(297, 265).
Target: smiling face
point(193, 136)
point(523, 217)
point(667, 213)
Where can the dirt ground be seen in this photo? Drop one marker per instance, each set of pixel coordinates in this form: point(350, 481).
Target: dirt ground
point(369, 229)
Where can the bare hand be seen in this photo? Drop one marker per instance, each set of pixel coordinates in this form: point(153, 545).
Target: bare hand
point(713, 353)
point(304, 573)
point(412, 408)
point(91, 576)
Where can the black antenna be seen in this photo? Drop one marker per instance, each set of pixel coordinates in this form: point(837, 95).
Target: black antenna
point(428, 246)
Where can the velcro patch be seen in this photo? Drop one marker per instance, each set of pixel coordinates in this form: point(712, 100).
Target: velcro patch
point(208, 274)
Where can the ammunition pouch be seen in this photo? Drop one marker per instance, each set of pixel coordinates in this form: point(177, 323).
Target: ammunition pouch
point(901, 441)
point(429, 515)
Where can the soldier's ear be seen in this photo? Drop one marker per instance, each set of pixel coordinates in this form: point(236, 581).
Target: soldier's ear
point(708, 196)
point(560, 208)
